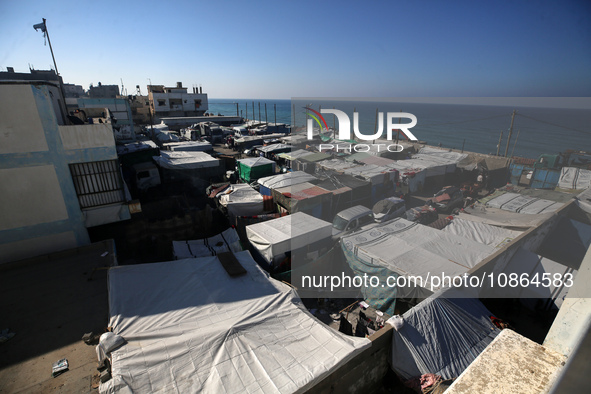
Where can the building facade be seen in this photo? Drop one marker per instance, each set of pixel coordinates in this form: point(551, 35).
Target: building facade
point(176, 102)
point(58, 180)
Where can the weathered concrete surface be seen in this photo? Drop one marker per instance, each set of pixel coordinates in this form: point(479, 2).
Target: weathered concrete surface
point(50, 302)
point(365, 372)
point(510, 364)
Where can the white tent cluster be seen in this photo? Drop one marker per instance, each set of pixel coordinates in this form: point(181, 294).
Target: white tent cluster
point(190, 327)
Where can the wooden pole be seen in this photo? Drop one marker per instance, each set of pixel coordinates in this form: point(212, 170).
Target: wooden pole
point(516, 138)
point(499, 144)
point(510, 132)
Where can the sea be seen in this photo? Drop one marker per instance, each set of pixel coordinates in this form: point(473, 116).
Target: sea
point(475, 128)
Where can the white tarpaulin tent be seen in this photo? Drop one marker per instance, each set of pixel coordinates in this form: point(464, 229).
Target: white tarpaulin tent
point(193, 146)
point(241, 200)
point(538, 269)
point(190, 327)
point(336, 165)
point(185, 160)
point(413, 250)
point(481, 232)
point(223, 242)
point(275, 237)
point(574, 178)
point(287, 179)
point(501, 218)
point(514, 202)
point(136, 146)
point(372, 173)
point(441, 336)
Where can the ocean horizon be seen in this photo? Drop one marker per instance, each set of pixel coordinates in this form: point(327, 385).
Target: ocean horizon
point(477, 128)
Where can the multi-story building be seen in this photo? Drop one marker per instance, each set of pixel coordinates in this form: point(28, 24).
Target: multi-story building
point(176, 101)
point(58, 180)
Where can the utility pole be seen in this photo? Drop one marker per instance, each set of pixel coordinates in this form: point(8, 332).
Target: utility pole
point(499, 144)
point(516, 138)
point(275, 112)
point(510, 132)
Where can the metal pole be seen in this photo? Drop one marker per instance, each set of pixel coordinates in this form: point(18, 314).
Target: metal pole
point(293, 114)
point(275, 111)
point(463, 143)
point(59, 80)
point(510, 132)
point(266, 114)
point(259, 112)
point(237, 113)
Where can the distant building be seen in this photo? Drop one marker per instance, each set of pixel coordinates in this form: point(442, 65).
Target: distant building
point(176, 102)
point(73, 91)
point(103, 91)
point(140, 110)
point(58, 180)
point(119, 114)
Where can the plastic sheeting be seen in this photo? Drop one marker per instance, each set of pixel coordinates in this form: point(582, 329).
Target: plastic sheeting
point(185, 160)
point(190, 327)
point(481, 232)
point(275, 237)
point(274, 148)
point(414, 250)
point(372, 173)
point(514, 202)
point(567, 243)
point(193, 146)
point(584, 200)
point(336, 165)
point(502, 218)
point(287, 179)
point(242, 200)
point(223, 242)
point(441, 336)
point(541, 269)
point(574, 178)
point(136, 147)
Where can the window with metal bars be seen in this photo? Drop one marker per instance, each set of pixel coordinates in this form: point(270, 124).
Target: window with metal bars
point(97, 183)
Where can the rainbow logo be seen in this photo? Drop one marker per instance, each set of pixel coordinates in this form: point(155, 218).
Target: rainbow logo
point(325, 133)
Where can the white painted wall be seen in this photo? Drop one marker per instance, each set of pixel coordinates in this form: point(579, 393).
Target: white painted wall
point(87, 136)
point(30, 195)
point(20, 125)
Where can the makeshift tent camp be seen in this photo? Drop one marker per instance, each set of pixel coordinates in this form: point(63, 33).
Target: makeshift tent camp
point(441, 335)
point(275, 237)
point(283, 180)
point(481, 232)
point(223, 242)
point(241, 200)
point(191, 327)
point(254, 168)
point(574, 178)
point(412, 250)
point(274, 148)
point(514, 202)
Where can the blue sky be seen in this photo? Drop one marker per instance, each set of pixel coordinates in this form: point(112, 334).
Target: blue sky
point(277, 49)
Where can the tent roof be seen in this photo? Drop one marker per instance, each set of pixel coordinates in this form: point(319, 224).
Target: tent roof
point(255, 161)
point(185, 160)
point(523, 204)
point(191, 327)
point(287, 179)
point(441, 336)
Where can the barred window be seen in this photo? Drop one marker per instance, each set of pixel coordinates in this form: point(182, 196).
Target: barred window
point(97, 183)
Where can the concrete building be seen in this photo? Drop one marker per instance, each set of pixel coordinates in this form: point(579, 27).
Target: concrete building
point(176, 102)
point(103, 91)
point(57, 180)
